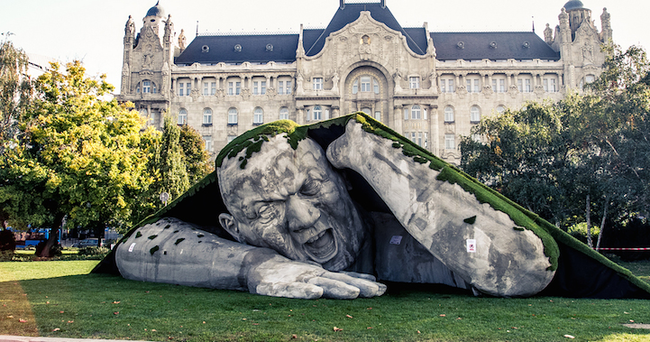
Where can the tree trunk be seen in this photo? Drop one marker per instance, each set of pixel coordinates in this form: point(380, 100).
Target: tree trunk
point(588, 216)
point(53, 239)
point(602, 223)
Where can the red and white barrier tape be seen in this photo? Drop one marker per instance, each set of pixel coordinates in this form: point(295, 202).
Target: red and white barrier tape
point(624, 249)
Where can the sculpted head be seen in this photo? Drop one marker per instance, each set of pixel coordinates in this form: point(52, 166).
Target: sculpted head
point(291, 201)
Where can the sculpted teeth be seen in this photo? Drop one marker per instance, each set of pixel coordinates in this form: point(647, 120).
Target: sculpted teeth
point(316, 237)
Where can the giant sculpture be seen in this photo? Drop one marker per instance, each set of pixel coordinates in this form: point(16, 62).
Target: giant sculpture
point(333, 209)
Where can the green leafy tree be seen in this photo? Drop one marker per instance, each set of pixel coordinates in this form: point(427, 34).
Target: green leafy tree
point(78, 157)
point(528, 155)
point(583, 159)
point(197, 159)
point(169, 163)
point(16, 88)
point(180, 161)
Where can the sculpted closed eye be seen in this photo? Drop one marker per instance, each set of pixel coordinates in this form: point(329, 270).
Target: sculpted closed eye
point(266, 212)
point(311, 187)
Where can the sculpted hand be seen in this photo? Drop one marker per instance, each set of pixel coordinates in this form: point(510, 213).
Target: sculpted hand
point(272, 275)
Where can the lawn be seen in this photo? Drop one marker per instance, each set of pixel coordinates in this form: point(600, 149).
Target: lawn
point(60, 299)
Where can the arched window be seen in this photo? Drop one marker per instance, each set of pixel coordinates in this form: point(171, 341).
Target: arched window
point(207, 116)
point(258, 116)
point(232, 116)
point(475, 114)
point(182, 116)
point(449, 114)
point(147, 87)
point(415, 112)
point(366, 110)
point(318, 113)
point(365, 84)
point(284, 113)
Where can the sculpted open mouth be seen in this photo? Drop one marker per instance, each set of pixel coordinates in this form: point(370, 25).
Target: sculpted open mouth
point(322, 247)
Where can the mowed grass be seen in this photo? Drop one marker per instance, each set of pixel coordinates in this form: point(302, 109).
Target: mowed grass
point(64, 301)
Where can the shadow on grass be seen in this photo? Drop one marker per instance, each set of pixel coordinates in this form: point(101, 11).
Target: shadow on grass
point(102, 306)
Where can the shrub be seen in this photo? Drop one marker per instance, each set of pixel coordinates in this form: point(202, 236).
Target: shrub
point(91, 251)
point(7, 255)
point(7, 241)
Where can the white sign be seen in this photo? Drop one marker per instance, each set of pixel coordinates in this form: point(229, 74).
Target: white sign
point(471, 245)
point(396, 240)
point(131, 247)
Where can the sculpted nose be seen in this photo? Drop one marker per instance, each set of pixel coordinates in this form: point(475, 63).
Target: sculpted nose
point(301, 214)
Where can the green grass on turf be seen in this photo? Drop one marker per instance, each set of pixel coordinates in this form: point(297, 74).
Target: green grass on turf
point(67, 302)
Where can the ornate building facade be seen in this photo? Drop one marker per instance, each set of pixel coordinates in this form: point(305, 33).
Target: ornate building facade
point(429, 86)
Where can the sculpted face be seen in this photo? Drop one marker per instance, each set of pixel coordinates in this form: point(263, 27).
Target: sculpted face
point(292, 201)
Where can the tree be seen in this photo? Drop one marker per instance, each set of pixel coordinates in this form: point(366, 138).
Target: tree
point(77, 157)
point(197, 159)
point(180, 160)
point(169, 162)
point(587, 156)
point(527, 155)
point(15, 88)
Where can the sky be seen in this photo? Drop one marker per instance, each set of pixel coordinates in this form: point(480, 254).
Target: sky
point(92, 30)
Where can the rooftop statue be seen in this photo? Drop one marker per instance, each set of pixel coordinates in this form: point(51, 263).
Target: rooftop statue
point(336, 208)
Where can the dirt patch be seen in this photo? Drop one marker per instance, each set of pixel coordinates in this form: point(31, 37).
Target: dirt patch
point(16, 316)
point(638, 326)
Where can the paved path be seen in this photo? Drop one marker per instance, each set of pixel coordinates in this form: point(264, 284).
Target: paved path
point(7, 338)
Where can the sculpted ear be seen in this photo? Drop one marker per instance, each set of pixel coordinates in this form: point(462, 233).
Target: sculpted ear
point(230, 225)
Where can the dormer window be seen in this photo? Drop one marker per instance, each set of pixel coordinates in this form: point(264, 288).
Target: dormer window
point(238, 48)
point(205, 49)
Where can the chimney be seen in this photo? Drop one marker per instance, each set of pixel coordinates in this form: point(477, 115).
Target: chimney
point(341, 4)
point(383, 3)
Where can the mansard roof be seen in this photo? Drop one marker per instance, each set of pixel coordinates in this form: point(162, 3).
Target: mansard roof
point(351, 12)
point(491, 45)
point(255, 48)
point(281, 48)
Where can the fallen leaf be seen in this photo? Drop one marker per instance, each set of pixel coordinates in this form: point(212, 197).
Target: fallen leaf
point(294, 336)
point(61, 311)
point(153, 329)
point(22, 320)
point(569, 336)
point(243, 319)
point(369, 328)
point(631, 321)
point(369, 309)
point(116, 302)
point(443, 315)
point(70, 321)
point(419, 332)
point(337, 329)
point(458, 318)
point(116, 313)
point(56, 329)
point(348, 316)
point(256, 324)
point(47, 302)
point(203, 322)
point(10, 316)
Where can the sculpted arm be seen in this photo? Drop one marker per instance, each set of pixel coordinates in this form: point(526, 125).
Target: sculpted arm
point(175, 252)
point(445, 219)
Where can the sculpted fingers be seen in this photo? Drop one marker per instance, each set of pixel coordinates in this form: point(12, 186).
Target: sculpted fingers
point(367, 288)
point(335, 289)
point(360, 275)
point(298, 290)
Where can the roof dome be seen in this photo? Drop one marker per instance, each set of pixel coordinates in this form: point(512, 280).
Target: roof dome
point(156, 11)
point(573, 4)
